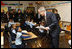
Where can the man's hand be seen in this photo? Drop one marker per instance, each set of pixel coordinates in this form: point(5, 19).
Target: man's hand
point(13, 16)
point(47, 28)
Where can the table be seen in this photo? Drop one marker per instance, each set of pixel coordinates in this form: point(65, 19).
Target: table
point(30, 33)
point(17, 23)
point(3, 25)
point(28, 41)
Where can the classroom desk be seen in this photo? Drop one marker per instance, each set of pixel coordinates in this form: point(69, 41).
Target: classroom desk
point(3, 24)
point(28, 42)
point(17, 23)
point(33, 36)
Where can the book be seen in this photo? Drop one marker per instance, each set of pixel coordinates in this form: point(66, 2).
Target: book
point(40, 27)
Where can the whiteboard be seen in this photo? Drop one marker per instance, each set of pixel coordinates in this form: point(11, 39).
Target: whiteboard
point(64, 12)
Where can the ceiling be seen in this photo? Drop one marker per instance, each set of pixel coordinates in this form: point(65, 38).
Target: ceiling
point(51, 2)
point(34, 2)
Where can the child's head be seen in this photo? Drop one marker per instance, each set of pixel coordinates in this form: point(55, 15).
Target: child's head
point(14, 26)
point(31, 20)
point(10, 20)
point(19, 29)
point(42, 23)
point(28, 19)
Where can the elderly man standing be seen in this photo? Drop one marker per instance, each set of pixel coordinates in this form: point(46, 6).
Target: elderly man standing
point(51, 25)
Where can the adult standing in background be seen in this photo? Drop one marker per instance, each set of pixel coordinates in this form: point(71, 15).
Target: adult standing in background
point(11, 15)
point(14, 13)
point(19, 16)
point(52, 25)
point(57, 15)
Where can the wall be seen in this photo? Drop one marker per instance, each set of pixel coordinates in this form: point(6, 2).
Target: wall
point(63, 9)
point(24, 6)
point(65, 12)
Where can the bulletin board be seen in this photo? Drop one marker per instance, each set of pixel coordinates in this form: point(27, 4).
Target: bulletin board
point(31, 8)
point(64, 12)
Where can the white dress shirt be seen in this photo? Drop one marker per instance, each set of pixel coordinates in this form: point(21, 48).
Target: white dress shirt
point(27, 22)
point(13, 31)
point(18, 40)
point(10, 23)
point(41, 29)
point(31, 24)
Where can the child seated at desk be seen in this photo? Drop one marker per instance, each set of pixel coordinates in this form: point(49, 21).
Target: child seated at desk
point(13, 28)
point(31, 23)
point(13, 35)
point(41, 28)
point(41, 25)
point(10, 22)
point(18, 41)
point(27, 21)
point(27, 24)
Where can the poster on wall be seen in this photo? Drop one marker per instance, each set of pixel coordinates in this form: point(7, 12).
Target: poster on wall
point(9, 8)
point(4, 8)
point(31, 8)
point(19, 8)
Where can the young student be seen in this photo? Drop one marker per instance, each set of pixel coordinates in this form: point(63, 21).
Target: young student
point(27, 21)
point(31, 23)
point(10, 22)
point(41, 28)
point(18, 41)
point(13, 35)
point(13, 28)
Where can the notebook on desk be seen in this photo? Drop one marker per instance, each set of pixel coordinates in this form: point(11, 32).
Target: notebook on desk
point(25, 35)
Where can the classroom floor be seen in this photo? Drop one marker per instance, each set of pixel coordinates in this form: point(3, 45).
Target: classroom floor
point(41, 42)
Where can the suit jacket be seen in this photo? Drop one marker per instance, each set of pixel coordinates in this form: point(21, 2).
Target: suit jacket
point(58, 17)
point(52, 22)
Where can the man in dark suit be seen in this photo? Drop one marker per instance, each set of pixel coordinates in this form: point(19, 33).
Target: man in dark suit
point(51, 25)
